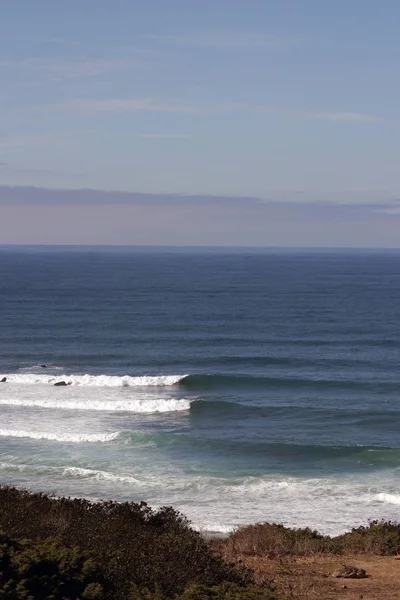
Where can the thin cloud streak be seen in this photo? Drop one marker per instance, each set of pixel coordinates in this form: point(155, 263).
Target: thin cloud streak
point(228, 39)
point(89, 106)
point(159, 136)
point(342, 116)
point(74, 68)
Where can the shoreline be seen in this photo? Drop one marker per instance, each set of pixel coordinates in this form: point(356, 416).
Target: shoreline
point(209, 534)
point(158, 549)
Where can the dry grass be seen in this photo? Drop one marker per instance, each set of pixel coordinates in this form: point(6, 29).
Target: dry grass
point(266, 539)
point(299, 562)
point(308, 578)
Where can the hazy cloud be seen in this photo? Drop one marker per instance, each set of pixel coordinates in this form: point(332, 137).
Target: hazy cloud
point(14, 169)
point(24, 140)
point(117, 218)
point(290, 210)
point(32, 195)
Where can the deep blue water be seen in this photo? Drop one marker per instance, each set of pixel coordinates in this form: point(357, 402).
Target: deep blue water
point(236, 385)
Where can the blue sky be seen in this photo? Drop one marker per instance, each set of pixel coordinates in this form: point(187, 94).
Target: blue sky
point(282, 100)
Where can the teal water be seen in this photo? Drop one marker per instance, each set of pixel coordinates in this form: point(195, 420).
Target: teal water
point(235, 385)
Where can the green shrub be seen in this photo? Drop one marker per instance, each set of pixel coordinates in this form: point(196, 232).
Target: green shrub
point(379, 537)
point(45, 570)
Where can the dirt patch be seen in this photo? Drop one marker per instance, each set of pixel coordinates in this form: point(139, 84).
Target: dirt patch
point(312, 579)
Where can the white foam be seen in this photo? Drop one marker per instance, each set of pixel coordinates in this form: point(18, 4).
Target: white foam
point(330, 505)
point(21, 468)
point(94, 380)
point(99, 475)
point(72, 472)
point(157, 405)
point(60, 437)
point(389, 498)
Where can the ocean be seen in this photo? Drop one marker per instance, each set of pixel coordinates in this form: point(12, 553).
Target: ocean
point(237, 385)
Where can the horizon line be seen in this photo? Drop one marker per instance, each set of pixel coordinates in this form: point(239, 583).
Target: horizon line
point(207, 247)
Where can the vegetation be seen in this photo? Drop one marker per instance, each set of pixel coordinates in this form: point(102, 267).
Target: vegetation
point(378, 538)
point(70, 549)
point(65, 549)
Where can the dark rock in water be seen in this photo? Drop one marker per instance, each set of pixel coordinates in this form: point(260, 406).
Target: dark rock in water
point(59, 383)
point(43, 366)
point(3, 380)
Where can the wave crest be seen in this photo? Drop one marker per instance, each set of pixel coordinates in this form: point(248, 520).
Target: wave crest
point(60, 437)
point(157, 405)
point(71, 472)
point(95, 380)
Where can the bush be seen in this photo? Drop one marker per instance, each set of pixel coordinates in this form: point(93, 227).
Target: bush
point(272, 539)
point(49, 570)
point(129, 543)
point(379, 538)
point(46, 570)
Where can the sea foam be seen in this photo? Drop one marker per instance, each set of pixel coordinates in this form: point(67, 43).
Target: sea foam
point(389, 498)
point(94, 380)
point(60, 437)
point(156, 405)
point(71, 472)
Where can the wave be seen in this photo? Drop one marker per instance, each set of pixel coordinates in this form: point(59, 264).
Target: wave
point(81, 472)
point(227, 408)
point(217, 381)
point(222, 408)
point(350, 456)
point(60, 437)
point(158, 405)
point(354, 457)
point(71, 472)
point(94, 380)
point(191, 381)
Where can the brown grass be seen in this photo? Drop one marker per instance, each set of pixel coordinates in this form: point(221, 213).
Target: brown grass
point(266, 539)
point(308, 578)
point(299, 562)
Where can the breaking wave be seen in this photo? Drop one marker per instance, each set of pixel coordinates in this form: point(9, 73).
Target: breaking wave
point(158, 405)
point(190, 381)
point(94, 380)
point(71, 472)
point(60, 437)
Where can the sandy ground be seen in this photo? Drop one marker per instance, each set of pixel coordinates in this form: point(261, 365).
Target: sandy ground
point(311, 579)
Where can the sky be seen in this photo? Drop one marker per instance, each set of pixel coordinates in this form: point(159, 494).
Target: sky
point(200, 122)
